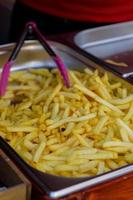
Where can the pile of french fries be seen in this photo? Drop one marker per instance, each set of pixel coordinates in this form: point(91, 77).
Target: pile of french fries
point(83, 130)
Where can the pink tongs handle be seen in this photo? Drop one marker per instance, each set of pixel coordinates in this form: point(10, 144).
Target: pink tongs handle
point(62, 69)
point(4, 77)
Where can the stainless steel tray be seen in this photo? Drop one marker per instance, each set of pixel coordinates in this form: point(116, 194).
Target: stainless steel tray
point(113, 42)
point(106, 41)
point(33, 55)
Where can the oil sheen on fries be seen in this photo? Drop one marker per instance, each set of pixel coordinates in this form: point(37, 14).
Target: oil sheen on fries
point(84, 130)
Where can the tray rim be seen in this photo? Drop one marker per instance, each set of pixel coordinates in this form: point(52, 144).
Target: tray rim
point(103, 41)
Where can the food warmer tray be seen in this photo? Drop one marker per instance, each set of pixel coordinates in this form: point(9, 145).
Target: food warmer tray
point(33, 55)
point(114, 42)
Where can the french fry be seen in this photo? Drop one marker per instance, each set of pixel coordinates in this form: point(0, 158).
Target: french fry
point(129, 115)
point(39, 151)
point(21, 128)
point(72, 119)
point(100, 167)
point(118, 144)
point(121, 123)
point(125, 100)
point(100, 124)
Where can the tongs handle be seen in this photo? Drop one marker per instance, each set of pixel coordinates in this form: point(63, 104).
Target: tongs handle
point(4, 77)
point(30, 28)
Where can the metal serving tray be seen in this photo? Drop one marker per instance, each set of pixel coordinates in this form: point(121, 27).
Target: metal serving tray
point(113, 42)
point(33, 55)
point(106, 41)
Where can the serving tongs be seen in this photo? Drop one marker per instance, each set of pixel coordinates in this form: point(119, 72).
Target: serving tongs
point(31, 28)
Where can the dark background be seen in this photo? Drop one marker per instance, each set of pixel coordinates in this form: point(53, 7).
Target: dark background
point(5, 17)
